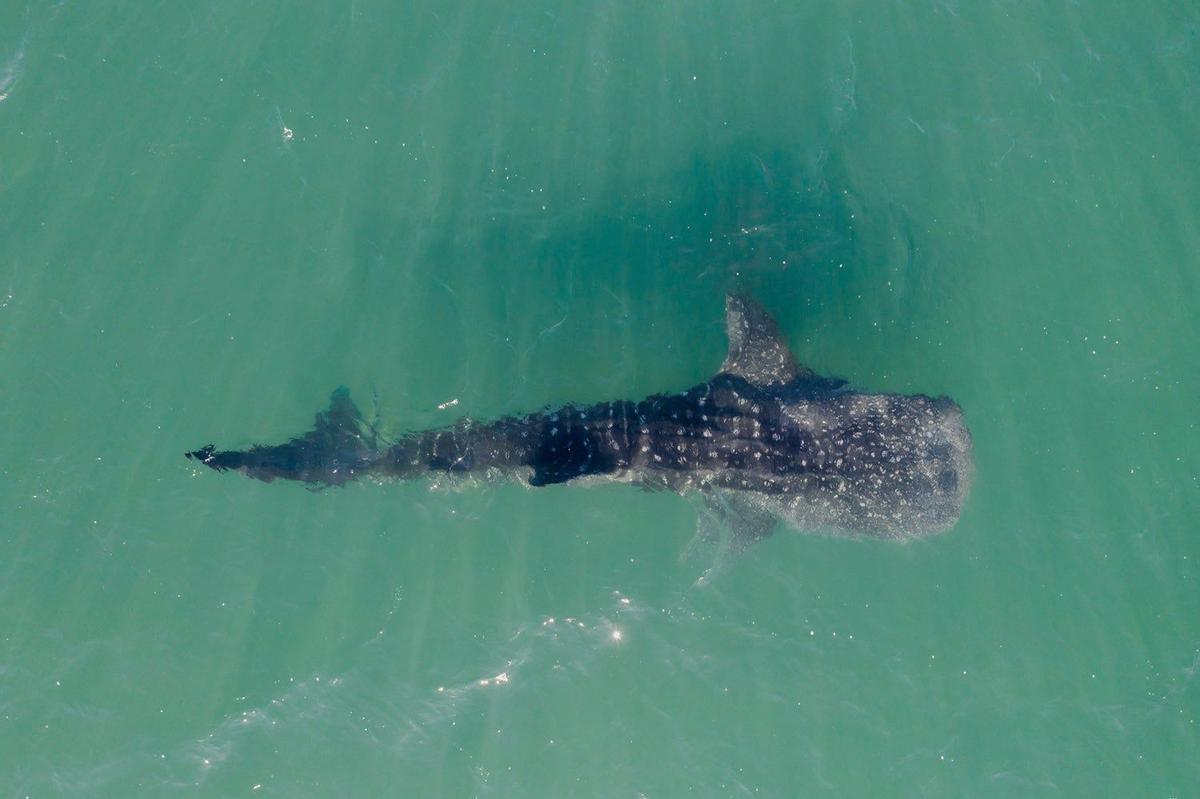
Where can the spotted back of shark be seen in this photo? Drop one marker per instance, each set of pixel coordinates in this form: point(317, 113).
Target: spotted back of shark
point(766, 440)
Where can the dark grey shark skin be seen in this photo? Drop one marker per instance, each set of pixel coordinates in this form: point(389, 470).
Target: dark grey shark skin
point(765, 440)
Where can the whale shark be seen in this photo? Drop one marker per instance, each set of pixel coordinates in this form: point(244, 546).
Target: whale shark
point(766, 442)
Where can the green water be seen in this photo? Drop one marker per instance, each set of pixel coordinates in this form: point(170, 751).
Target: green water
point(211, 215)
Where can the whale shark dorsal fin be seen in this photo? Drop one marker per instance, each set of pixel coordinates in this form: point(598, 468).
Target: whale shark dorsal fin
point(757, 352)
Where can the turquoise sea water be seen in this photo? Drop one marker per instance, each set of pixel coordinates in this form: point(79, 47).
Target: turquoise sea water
point(212, 215)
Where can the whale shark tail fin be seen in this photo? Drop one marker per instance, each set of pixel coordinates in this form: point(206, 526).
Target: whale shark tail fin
point(209, 456)
point(340, 427)
point(217, 461)
point(726, 526)
point(336, 450)
point(339, 445)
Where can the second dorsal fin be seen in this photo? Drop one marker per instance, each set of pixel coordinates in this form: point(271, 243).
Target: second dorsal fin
point(757, 353)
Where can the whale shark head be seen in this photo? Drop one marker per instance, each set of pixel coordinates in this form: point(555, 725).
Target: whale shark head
point(846, 462)
point(944, 468)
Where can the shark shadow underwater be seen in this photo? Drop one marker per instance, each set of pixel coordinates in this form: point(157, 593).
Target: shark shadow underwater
point(764, 441)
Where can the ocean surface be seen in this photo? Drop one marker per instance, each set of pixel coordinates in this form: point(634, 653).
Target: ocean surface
point(211, 215)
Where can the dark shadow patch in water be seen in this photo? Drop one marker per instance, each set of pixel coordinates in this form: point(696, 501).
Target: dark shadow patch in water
point(747, 211)
point(613, 271)
point(737, 219)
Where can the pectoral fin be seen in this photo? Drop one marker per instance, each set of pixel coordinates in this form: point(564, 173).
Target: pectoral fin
point(726, 525)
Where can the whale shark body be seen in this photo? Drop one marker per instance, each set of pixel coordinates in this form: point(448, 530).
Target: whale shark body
point(764, 441)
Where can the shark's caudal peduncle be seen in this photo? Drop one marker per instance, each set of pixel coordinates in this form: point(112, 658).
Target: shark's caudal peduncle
point(765, 440)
